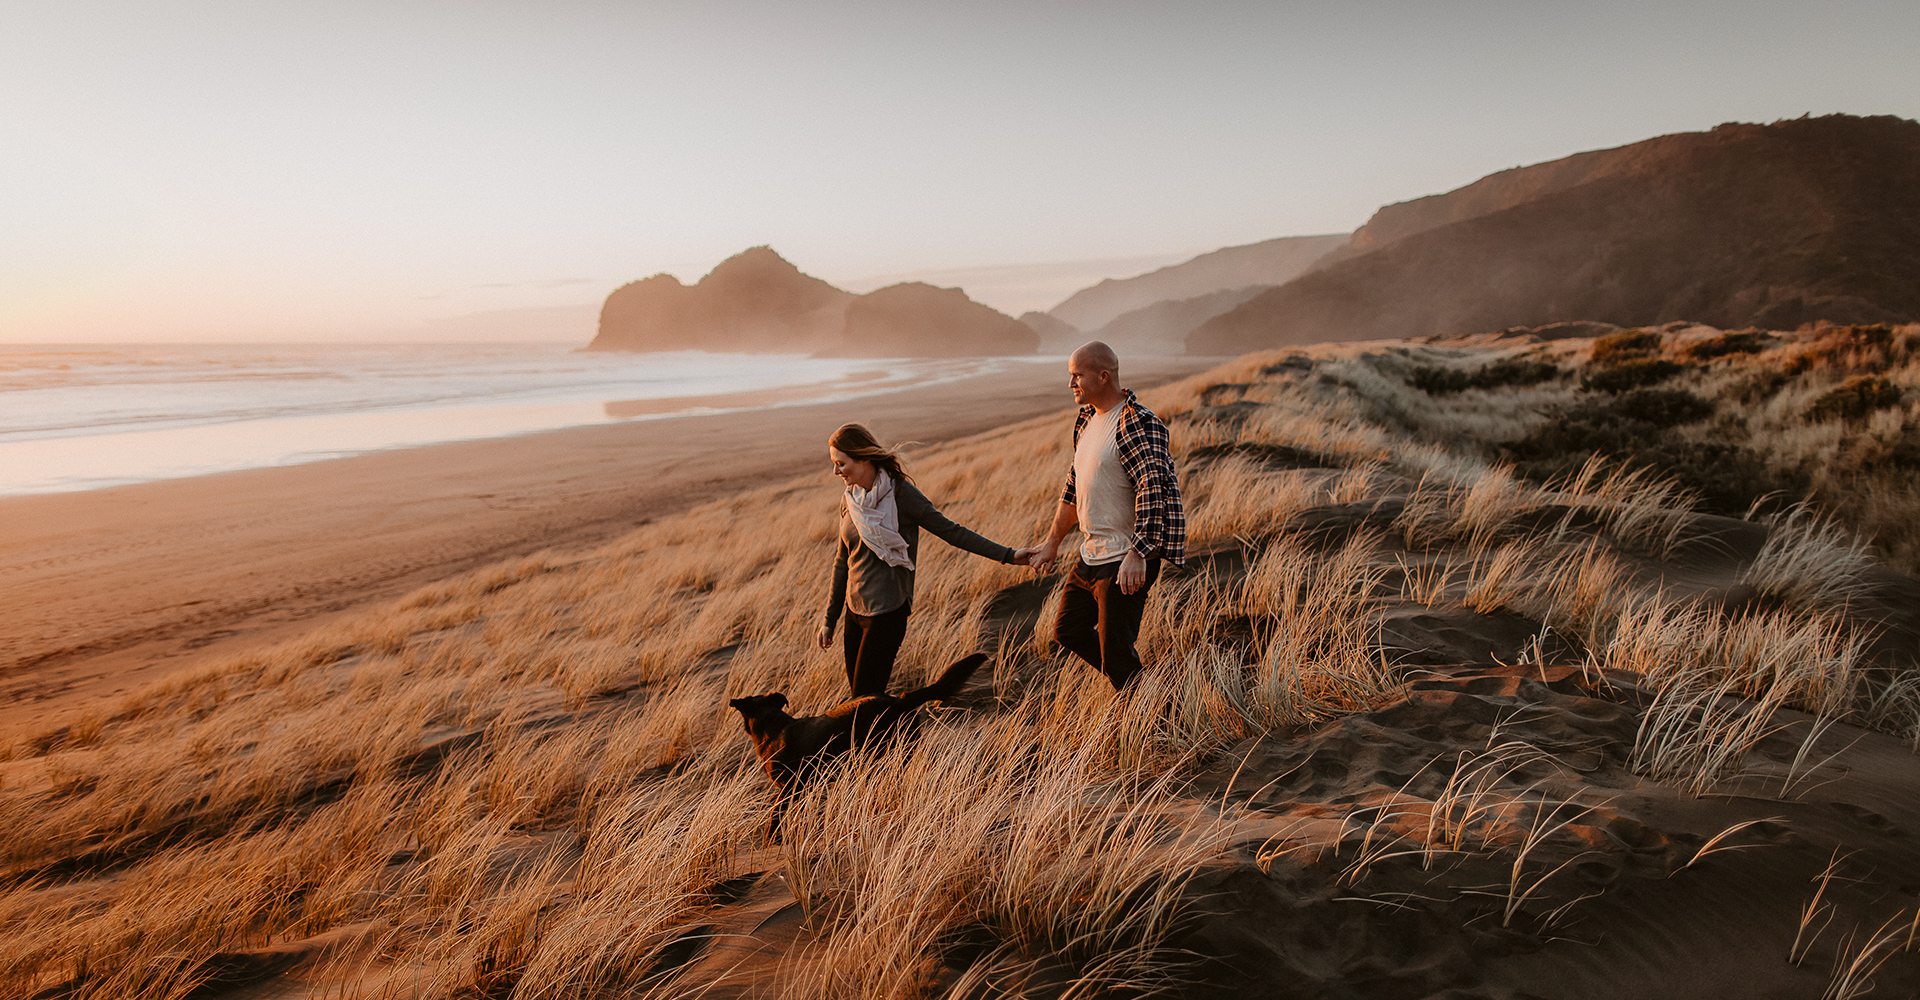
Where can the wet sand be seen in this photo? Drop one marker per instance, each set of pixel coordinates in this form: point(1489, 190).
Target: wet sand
point(106, 590)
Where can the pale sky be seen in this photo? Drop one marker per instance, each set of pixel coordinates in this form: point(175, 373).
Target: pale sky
point(330, 170)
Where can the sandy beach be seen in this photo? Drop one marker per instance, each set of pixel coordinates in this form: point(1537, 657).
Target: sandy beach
point(104, 590)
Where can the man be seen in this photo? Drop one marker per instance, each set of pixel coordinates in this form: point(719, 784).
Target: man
point(1123, 496)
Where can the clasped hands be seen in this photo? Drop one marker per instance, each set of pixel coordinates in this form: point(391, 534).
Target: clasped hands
point(1040, 558)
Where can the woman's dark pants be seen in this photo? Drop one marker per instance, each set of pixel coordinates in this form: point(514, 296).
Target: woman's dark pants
point(1098, 623)
point(870, 643)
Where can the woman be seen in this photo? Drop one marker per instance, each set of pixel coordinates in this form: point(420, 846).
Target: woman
point(880, 524)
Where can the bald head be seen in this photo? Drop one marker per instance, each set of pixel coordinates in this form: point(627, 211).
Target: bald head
point(1093, 372)
point(1098, 356)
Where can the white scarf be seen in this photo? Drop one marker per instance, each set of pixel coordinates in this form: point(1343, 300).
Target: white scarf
point(877, 517)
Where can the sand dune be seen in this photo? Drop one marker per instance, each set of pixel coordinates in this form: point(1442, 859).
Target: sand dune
point(1426, 718)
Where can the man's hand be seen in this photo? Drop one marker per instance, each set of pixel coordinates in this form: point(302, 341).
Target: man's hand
point(1043, 557)
point(825, 638)
point(1133, 573)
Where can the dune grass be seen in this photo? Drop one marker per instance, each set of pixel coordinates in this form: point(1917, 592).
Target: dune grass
point(522, 781)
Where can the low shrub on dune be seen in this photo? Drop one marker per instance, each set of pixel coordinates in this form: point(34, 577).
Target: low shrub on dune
point(1626, 345)
point(1730, 343)
point(1437, 380)
point(1854, 399)
point(1863, 349)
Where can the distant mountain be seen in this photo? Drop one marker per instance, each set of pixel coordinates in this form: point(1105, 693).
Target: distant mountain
point(758, 301)
point(1057, 336)
point(921, 320)
point(1770, 225)
point(1017, 288)
point(1162, 328)
point(1271, 262)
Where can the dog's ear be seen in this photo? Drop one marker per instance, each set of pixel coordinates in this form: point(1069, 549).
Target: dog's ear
point(756, 706)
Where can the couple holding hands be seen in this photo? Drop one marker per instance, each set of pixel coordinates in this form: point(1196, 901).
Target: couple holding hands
point(1121, 493)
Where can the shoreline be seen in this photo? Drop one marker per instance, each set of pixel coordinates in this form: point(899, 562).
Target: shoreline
point(104, 590)
point(140, 440)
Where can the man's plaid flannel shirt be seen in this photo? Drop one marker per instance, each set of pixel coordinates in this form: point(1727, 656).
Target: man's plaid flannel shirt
point(1159, 521)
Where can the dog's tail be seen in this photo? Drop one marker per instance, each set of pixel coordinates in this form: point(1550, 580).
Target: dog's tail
point(948, 683)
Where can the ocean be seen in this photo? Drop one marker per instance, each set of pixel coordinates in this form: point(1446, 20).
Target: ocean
point(77, 417)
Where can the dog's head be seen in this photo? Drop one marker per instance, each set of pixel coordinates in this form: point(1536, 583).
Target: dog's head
point(760, 711)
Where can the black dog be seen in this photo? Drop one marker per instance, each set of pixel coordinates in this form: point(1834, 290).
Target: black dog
point(792, 748)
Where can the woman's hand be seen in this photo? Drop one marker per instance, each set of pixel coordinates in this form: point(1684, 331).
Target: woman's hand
point(825, 638)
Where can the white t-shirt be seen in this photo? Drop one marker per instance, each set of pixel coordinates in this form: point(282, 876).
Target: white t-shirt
point(1103, 495)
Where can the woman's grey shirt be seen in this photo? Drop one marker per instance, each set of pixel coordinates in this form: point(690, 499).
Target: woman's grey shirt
point(864, 584)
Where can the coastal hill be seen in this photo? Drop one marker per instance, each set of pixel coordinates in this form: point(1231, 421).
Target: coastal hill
point(757, 301)
point(1270, 262)
point(925, 320)
point(1769, 225)
point(753, 301)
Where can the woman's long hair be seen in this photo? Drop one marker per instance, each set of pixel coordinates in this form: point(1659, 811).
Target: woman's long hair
point(856, 442)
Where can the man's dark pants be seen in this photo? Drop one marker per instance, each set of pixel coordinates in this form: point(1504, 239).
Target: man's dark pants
point(1098, 623)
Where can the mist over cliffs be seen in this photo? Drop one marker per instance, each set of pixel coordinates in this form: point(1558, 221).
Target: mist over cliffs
point(758, 301)
point(1155, 311)
point(1769, 225)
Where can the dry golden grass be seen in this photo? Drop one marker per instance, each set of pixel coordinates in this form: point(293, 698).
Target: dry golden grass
point(1050, 858)
point(523, 781)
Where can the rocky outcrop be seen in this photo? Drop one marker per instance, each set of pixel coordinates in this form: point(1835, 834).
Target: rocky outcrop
point(1770, 225)
point(753, 301)
point(915, 319)
point(757, 301)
